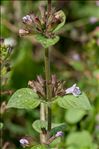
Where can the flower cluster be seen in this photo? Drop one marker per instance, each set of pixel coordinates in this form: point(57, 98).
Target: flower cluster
point(43, 24)
point(39, 86)
point(57, 87)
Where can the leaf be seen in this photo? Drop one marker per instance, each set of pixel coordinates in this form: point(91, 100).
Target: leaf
point(38, 124)
point(62, 18)
point(1, 125)
point(55, 143)
point(74, 115)
point(24, 98)
point(46, 42)
point(70, 101)
point(79, 139)
point(57, 127)
point(39, 147)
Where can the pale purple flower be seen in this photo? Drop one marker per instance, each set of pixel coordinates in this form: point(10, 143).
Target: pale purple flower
point(73, 90)
point(24, 142)
point(59, 134)
point(76, 56)
point(93, 20)
point(27, 19)
point(97, 3)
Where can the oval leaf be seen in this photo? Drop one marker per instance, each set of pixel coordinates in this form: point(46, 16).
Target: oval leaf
point(74, 115)
point(46, 42)
point(79, 139)
point(70, 101)
point(38, 124)
point(24, 98)
point(60, 14)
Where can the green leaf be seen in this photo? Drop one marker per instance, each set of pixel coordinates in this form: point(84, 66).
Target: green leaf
point(1, 125)
point(55, 143)
point(38, 124)
point(70, 101)
point(24, 98)
point(60, 14)
point(74, 115)
point(57, 127)
point(46, 42)
point(79, 139)
point(39, 147)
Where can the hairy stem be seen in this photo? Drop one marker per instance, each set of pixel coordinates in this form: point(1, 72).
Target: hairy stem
point(42, 118)
point(43, 137)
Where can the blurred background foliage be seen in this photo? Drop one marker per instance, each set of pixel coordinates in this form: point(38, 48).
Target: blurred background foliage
point(75, 58)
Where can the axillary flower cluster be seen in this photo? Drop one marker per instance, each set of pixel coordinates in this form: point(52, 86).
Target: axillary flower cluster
point(57, 87)
point(44, 24)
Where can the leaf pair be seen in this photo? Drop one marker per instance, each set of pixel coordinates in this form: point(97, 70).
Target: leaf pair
point(26, 98)
point(39, 124)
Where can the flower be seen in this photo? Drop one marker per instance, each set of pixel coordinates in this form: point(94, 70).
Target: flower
point(97, 3)
point(73, 90)
point(59, 134)
point(27, 19)
point(24, 142)
point(93, 20)
point(9, 42)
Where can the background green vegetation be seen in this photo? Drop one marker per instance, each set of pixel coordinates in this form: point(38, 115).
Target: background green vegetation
point(75, 58)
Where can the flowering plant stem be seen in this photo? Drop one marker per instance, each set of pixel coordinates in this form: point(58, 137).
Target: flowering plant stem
point(43, 137)
point(48, 87)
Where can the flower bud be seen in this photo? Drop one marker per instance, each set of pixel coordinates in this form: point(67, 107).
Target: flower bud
point(59, 134)
point(24, 142)
point(23, 32)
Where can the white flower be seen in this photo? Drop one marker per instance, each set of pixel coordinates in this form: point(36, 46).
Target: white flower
point(10, 42)
point(73, 90)
point(24, 142)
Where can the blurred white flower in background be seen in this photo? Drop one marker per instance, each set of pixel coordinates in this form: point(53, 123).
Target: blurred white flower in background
point(93, 20)
point(10, 42)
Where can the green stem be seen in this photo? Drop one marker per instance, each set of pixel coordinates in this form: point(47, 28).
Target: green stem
point(48, 86)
